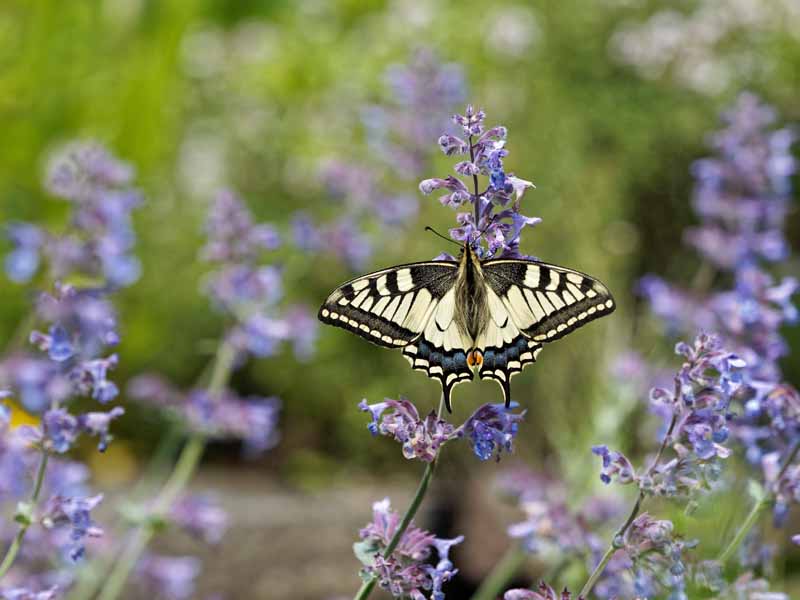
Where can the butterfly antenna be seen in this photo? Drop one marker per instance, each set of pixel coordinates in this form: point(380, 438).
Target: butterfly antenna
point(444, 237)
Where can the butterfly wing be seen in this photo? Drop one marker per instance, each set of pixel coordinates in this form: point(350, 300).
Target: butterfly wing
point(409, 307)
point(441, 350)
point(390, 307)
point(532, 303)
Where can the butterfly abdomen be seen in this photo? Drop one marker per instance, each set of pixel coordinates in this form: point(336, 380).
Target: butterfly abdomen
point(472, 307)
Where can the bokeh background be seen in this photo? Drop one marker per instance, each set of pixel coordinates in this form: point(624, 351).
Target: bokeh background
point(607, 103)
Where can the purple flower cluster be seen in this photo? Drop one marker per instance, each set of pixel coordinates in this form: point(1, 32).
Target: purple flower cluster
point(171, 577)
point(492, 234)
point(406, 572)
point(490, 429)
point(742, 196)
point(100, 240)
point(254, 420)
point(698, 412)
point(398, 135)
point(246, 290)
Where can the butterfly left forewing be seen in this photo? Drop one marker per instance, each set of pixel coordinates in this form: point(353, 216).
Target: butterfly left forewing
point(390, 307)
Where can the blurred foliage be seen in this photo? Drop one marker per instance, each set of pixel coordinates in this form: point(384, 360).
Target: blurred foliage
point(200, 94)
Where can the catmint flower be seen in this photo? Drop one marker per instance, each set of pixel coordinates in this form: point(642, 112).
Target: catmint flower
point(253, 420)
point(26, 594)
point(76, 513)
point(492, 234)
point(615, 465)
point(172, 577)
point(201, 517)
point(101, 241)
point(404, 573)
point(246, 290)
point(421, 438)
point(97, 424)
point(490, 429)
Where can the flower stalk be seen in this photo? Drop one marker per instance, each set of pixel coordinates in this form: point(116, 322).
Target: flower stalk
point(755, 512)
point(177, 481)
point(16, 543)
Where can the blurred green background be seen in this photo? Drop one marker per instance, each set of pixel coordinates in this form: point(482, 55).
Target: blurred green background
point(607, 103)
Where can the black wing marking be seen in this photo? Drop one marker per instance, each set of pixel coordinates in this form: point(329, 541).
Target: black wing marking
point(532, 303)
point(390, 307)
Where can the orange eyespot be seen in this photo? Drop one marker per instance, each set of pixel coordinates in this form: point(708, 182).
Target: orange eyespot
point(475, 358)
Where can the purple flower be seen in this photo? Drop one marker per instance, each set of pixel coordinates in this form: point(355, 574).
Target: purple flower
point(26, 594)
point(60, 430)
point(97, 424)
point(615, 465)
point(405, 572)
point(171, 577)
point(421, 438)
point(490, 233)
point(76, 512)
point(201, 517)
point(23, 261)
point(492, 428)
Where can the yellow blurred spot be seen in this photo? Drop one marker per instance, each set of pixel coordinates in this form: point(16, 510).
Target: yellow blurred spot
point(19, 416)
point(114, 467)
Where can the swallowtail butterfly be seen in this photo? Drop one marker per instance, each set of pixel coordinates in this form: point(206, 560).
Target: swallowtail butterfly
point(451, 317)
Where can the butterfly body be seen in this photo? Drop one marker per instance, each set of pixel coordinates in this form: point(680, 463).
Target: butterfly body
point(453, 317)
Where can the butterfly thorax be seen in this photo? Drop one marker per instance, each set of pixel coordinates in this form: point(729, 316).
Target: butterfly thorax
point(471, 305)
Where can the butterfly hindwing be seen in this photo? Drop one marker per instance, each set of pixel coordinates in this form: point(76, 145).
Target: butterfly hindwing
point(390, 307)
point(532, 303)
point(441, 350)
point(505, 350)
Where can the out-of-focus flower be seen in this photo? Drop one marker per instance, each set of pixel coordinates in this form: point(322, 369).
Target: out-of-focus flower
point(101, 239)
point(253, 420)
point(491, 429)
point(405, 572)
point(26, 594)
point(200, 516)
point(76, 512)
point(170, 577)
point(398, 133)
point(248, 291)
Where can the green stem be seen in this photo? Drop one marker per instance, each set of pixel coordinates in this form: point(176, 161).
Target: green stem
point(366, 587)
point(16, 543)
point(501, 574)
point(755, 512)
point(181, 474)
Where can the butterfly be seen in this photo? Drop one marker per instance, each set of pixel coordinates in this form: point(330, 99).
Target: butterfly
point(451, 317)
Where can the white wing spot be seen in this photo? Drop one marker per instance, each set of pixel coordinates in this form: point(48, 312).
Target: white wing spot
point(325, 312)
point(532, 276)
point(555, 279)
point(561, 326)
point(381, 285)
point(591, 293)
point(571, 321)
point(591, 310)
point(404, 280)
point(573, 289)
point(575, 278)
point(388, 340)
point(557, 302)
point(360, 284)
point(375, 333)
point(609, 303)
